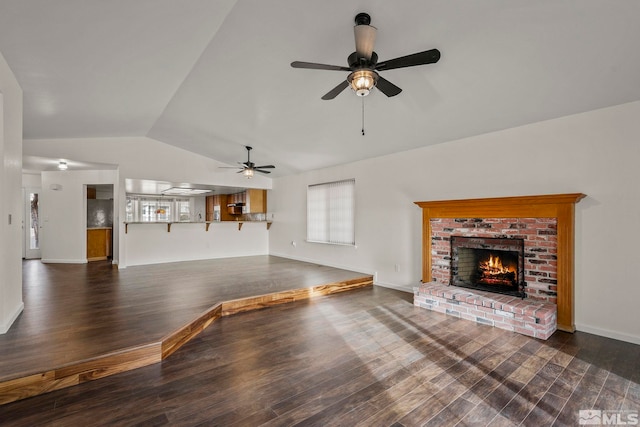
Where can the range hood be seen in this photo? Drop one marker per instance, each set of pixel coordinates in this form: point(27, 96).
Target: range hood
point(235, 208)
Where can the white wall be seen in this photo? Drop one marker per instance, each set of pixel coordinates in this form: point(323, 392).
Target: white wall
point(64, 213)
point(140, 158)
point(31, 180)
point(595, 153)
point(11, 304)
point(152, 244)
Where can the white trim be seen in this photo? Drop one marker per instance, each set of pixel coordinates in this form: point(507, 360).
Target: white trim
point(64, 261)
point(634, 339)
point(5, 327)
point(405, 288)
point(353, 245)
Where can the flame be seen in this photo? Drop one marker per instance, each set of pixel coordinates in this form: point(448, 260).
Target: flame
point(493, 266)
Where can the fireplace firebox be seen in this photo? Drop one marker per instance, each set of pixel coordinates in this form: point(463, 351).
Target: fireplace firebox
point(488, 264)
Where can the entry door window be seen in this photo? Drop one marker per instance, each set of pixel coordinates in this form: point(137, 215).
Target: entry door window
point(34, 220)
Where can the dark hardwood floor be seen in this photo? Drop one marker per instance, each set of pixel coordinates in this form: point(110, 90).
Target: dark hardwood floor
point(365, 357)
point(75, 312)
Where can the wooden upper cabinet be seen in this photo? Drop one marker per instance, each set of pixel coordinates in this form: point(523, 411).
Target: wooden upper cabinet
point(209, 208)
point(91, 192)
point(256, 201)
point(237, 198)
point(223, 200)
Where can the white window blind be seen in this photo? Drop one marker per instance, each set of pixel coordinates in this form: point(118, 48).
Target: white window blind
point(331, 212)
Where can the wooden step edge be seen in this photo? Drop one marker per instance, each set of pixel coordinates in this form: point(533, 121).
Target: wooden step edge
point(263, 301)
point(79, 372)
point(178, 338)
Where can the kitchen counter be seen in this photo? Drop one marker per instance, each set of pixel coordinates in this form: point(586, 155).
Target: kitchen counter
point(207, 223)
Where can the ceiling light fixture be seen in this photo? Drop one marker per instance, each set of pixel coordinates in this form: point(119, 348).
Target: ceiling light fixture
point(185, 191)
point(62, 165)
point(248, 173)
point(362, 81)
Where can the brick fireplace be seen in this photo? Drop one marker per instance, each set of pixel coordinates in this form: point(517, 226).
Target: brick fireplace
point(545, 223)
point(539, 236)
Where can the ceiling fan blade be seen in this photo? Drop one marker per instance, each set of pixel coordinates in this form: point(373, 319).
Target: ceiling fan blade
point(365, 36)
point(386, 87)
point(427, 57)
point(316, 66)
point(261, 171)
point(230, 167)
point(266, 167)
point(336, 90)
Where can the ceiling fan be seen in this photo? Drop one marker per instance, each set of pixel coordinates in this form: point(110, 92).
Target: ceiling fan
point(248, 168)
point(364, 66)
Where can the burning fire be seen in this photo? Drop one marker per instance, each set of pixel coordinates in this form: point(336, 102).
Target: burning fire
point(493, 266)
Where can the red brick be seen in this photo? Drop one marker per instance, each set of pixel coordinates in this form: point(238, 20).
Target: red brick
point(524, 331)
point(503, 325)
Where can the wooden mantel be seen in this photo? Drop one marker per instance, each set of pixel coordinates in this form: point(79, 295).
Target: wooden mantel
point(559, 206)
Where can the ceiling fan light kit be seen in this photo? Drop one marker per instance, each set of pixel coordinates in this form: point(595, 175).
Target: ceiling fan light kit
point(362, 81)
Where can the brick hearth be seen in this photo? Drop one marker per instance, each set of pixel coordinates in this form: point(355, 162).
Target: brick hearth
point(528, 317)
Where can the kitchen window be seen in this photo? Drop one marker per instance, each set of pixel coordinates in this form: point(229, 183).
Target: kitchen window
point(158, 209)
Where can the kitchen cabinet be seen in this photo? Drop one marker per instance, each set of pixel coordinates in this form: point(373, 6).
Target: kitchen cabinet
point(99, 245)
point(209, 208)
point(256, 201)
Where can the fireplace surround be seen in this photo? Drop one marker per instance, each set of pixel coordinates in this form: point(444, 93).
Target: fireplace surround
point(559, 206)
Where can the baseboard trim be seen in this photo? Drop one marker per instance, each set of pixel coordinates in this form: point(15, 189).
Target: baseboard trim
point(4, 328)
point(63, 261)
point(406, 288)
point(608, 333)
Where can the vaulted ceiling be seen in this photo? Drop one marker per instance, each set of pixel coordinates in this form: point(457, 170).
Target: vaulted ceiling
point(211, 76)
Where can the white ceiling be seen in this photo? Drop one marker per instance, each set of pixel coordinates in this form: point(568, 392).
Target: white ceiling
point(213, 75)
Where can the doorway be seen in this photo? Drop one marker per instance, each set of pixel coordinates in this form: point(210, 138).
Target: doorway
point(99, 222)
point(31, 224)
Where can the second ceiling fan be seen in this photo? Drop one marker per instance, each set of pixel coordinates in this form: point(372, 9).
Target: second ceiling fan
point(364, 66)
point(248, 168)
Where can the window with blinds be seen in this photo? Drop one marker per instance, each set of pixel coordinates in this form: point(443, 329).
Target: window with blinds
point(331, 212)
point(141, 208)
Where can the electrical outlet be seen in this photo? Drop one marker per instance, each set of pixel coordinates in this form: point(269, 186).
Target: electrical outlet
point(397, 267)
point(293, 243)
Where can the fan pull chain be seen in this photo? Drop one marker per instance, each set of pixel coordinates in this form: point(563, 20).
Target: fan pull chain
point(362, 115)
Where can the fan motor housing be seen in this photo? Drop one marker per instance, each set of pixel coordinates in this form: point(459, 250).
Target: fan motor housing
point(355, 62)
